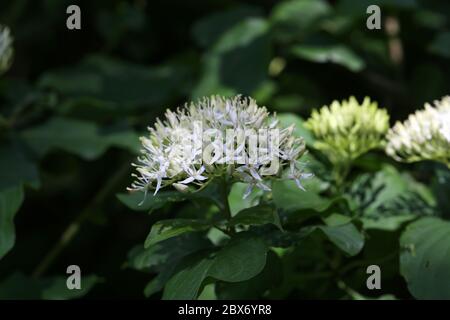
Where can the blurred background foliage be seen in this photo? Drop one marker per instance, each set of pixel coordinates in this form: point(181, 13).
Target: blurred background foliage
point(74, 103)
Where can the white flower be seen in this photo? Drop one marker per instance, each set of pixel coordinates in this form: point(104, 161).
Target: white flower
point(194, 175)
point(6, 50)
point(192, 145)
point(425, 135)
point(297, 175)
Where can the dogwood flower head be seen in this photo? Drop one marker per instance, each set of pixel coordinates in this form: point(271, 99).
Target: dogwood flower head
point(345, 130)
point(425, 135)
point(6, 50)
point(217, 136)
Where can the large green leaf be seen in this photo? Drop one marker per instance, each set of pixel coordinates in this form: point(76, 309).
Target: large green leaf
point(345, 236)
point(236, 200)
point(259, 215)
point(186, 283)
point(338, 54)
point(16, 168)
point(139, 202)
point(166, 229)
point(79, 137)
point(425, 258)
point(288, 196)
point(387, 199)
point(10, 201)
point(294, 18)
point(164, 257)
point(116, 81)
point(209, 29)
point(238, 62)
point(167, 252)
point(240, 260)
point(255, 287)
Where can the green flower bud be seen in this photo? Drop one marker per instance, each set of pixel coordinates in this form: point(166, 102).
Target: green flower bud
point(345, 130)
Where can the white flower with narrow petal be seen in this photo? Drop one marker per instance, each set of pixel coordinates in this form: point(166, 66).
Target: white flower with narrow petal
point(175, 154)
point(297, 175)
point(425, 135)
point(194, 175)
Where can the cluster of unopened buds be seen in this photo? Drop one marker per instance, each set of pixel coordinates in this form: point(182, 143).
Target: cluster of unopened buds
point(218, 137)
point(345, 130)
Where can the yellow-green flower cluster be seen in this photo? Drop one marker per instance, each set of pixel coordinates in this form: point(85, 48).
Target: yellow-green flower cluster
point(345, 130)
point(425, 135)
point(6, 50)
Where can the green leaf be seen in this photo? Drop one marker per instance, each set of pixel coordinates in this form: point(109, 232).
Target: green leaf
point(425, 258)
point(254, 288)
point(166, 252)
point(139, 202)
point(209, 29)
point(19, 286)
point(16, 168)
point(185, 284)
point(338, 54)
point(115, 81)
point(238, 62)
point(236, 201)
point(387, 199)
point(288, 196)
point(287, 119)
point(208, 292)
point(295, 18)
point(336, 219)
point(164, 257)
point(240, 260)
point(78, 137)
point(345, 236)
point(166, 229)
point(10, 201)
point(259, 215)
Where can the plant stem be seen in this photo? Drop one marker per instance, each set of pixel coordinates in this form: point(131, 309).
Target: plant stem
point(340, 172)
point(72, 230)
point(226, 206)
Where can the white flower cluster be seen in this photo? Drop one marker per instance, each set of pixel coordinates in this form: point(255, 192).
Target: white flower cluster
point(6, 50)
point(425, 135)
point(174, 152)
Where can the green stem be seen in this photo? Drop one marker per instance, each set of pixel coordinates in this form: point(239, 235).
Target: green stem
point(226, 206)
point(72, 230)
point(340, 172)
